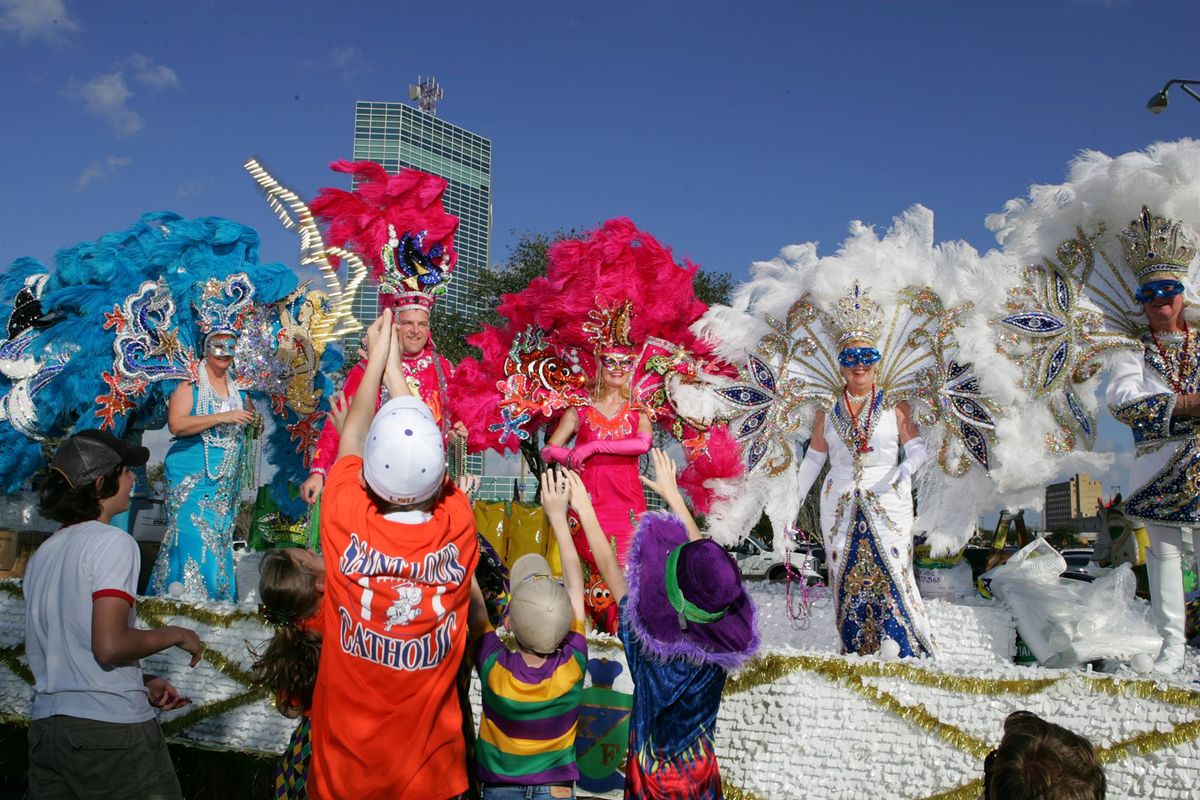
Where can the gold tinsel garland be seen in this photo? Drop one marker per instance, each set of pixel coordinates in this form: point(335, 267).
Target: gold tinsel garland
point(918, 716)
point(1147, 690)
point(163, 607)
point(761, 671)
point(770, 668)
point(184, 721)
point(732, 792)
point(219, 661)
point(11, 657)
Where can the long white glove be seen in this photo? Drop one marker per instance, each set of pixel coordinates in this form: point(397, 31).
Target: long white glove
point(810, 469)
point(915, 453)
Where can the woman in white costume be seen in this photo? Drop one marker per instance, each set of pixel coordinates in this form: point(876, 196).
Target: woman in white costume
point(874, 448)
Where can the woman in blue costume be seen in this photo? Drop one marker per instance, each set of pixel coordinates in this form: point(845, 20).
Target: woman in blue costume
point(203, 468)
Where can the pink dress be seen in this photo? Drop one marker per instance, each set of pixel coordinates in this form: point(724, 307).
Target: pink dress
point(612, 480)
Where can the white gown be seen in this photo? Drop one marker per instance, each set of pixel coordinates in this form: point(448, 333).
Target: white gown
point(868, 536)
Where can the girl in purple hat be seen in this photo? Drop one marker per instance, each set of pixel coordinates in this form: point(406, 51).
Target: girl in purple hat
point(686, 621)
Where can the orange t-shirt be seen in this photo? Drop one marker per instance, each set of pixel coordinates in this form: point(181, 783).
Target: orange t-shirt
point(386, 721)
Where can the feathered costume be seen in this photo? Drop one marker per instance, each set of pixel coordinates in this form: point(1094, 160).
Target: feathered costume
point(104, 339)
point(1118, 224)
point(397, 225)
point(931, 307)
point(616, 293)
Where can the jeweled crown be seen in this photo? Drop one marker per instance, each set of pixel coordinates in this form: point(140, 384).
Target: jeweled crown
point(413, 275)
point(224, 304)
point(1155, 245)
point(856, 316)
point(608, 326)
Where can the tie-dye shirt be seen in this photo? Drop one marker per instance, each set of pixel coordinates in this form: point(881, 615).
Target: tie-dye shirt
point(527, 732)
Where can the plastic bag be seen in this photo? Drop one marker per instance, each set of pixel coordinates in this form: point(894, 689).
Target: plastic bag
point(945, 577)
point(1067, 622)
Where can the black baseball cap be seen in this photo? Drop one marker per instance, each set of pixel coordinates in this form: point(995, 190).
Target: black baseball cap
point(90, 454)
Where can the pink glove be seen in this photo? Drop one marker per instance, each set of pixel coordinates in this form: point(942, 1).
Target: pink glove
point(552, 453)
point(633, 446)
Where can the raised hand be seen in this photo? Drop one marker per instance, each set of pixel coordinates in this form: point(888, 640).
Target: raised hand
point(379, 336)
point(580, 500)
point(556, 493)
point(663, 483)
point(339, 406)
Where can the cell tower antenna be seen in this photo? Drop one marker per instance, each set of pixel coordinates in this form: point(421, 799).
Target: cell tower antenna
point(427, 92)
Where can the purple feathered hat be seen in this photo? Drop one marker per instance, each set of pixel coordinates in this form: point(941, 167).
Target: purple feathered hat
point(686, 599)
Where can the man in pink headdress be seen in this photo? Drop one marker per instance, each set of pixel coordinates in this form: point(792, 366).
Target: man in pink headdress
point(401, 218)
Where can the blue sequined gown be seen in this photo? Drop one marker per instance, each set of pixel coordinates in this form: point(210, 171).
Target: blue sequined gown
point(202, 504)
point(867, 524)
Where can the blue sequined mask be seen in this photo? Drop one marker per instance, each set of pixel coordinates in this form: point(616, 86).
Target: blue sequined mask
point(853, 356)
point(1155, 289)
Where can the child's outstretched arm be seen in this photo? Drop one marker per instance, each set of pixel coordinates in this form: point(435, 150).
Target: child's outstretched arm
point(665, 486)
point(362, 407)
point(556, 491)
point(477, 619)
point(606, 559)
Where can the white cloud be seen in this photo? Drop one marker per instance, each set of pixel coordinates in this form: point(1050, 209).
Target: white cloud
point(105, 96)
point(348, 61)
point(47, 20)
point(102, 170)
point(148, 74)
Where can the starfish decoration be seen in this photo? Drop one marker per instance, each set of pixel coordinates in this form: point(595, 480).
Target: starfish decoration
point(213, 288)
point(168, 345)
point(115, 403)
point(511, 425)
point(115, 319)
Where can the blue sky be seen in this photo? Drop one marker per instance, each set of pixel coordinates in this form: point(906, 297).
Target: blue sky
point(727, 130)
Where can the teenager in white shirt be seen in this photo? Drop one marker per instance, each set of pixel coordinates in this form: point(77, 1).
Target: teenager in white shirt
point(94, 732)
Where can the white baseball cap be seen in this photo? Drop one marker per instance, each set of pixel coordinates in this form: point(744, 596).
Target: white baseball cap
point(404, 458)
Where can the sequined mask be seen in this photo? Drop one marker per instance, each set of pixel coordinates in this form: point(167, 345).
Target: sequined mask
point(854, 356)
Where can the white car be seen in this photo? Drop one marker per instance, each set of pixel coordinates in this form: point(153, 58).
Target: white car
point(756, 560)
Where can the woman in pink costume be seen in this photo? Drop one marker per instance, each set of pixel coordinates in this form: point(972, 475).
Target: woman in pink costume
point(610, 433)
point(592, 348)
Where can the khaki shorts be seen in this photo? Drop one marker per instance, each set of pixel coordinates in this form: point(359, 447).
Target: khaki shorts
point(71, 757)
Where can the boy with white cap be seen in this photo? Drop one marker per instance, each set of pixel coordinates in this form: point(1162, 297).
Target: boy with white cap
point(530, 696)
point(400, 548)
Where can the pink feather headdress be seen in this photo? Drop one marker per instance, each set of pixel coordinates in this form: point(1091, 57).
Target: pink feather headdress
point(397, 224)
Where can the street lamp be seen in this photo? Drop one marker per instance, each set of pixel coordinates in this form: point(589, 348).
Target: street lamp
point(1158, 102)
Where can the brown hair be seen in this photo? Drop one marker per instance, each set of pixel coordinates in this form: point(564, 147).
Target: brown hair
point(288, 664)
point(66, 504)
point(1038, 760)
point(384, 507)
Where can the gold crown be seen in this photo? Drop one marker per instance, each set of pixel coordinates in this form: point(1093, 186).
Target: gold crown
point(608, 326)
point(1155, 244)
point(856, 316)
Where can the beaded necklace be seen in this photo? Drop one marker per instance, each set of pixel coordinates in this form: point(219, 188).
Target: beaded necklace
point(224, 436)
point(1176, 372)
point(861, 434)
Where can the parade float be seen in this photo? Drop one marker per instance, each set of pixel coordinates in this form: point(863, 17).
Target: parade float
point(738, 387)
